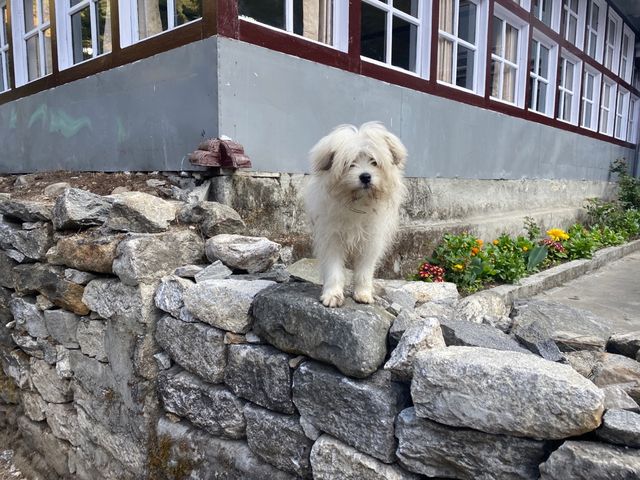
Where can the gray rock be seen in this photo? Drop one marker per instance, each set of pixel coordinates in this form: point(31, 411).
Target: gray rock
point(439, 310)
point(62, 327)
point(169, 296)
point(277, 273)
point(627, 344)
point(535, 335)
point(422, 292)
point(34, 406)
point(163, 360)
point(353, 338)
point(616, 398)
point(16, 365)
point(196, 347)
point(140, 212)
point(209, 457)
point(475, 307)
point(435, 450)
point(279, 440)
point(463, 333)
point(89, 461)
point(7, 279)
point(63, 365)
point(41, 348)
point(91, 338)
point(210, 407)
point(78, 276)
point(147, 258)
point(54, 189)
point(63, 420)
point(484, 389)
point(26, 210)
point(224, 304)
point(51, 387)
point(571, 328)
point(608, 369)
point(361, 413)
point(215, 271)
point(39, 438)
point(111, 299)
point(6, 318)
point(621, 427)
point(405, 320)
point(253, 254)
point(31, 240)
point(425, 335)
point(591, 461)
point(309, 429)
point(402, 297)
point(90, 251)
point(260, 374)
point(43, 303)
point(14, 255)
point(77, 208)
point(332, 459)
point(308, 270)
point(214, 218)
point(188, 271)
point(154, 182)
point(28, 317)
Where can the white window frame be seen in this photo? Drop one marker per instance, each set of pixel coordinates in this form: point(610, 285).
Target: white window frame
point(573, 89)
point(556, 10)
point(601, 25)
point(580, 17)
point(628, 55)
point(615, 48)
point(551, 80)
point(480, 49)
point(621, 115)
point(607, 112)
point(64, 35)
point(632, 124)
point(521, 66)
point(340, 25)
point(526, 4)
point(594, 102)
point(128, 24)
point(423, 35)
point(19, 42)
point(4, 52)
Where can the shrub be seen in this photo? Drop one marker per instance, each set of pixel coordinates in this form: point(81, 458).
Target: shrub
point(580, 244)
point(506, 256)
point(463, 260)
point(628, 186)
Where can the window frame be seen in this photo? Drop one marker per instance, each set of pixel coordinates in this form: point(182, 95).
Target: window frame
point(626, 75)
point(575, 92)
point(556, 14)
point(551, 81)
point(600, 32)
point(5, 80)
point(580, 16)
point(595, 101)
point(621, 113)
point(615, 60)
point(632, 123)
point(19, 39)
point(611, 106)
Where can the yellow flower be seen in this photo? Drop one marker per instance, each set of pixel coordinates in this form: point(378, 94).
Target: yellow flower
point(457, 266)
point(496, 242)
point(557, 234)
point(524, 249)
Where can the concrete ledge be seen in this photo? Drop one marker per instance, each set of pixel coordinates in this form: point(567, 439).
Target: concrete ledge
point(553, 277)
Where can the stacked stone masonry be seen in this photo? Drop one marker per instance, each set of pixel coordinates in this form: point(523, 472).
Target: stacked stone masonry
point(146, 338)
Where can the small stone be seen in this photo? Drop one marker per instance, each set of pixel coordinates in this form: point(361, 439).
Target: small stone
point(154, 182)
point(627, 344)
point(425, 335)
point(404, 320)
point(118, 190)
point(91, 336)
point(55, 189)
point(28, 317)
point(616, 398)
point(21, 181)
point(62, 327)
point(439, 310)
point(63, 420)
point(310, 431)
point(46, 380)
point(111, 299)
point(295, 362)
point(234, 339)
point(308, 270)
point(621, 427)
point(140, 212)
point(77, 208)
point(214, 218)
point(188, 271)
point(464, 333)
point(475, 307)
point(43, 303)
point(31, 242)
point(163, 360)
point(215, 271)
point(15, 255)
point(7, 279)
point(423, 292)
point(253, 254)
point(169, 295)
point(402, 297)
point(78, 276)
point(88, 251)
point(537, 338)
point(34, 406)
point(63, 364)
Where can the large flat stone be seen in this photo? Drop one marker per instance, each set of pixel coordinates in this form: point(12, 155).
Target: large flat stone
point(212, 217)
point(260, 374)
point(210, 407)
point(591, 461)
point(76, 208)
point(253, 254)
point(39, 438)
point(91, 251)
point(621, 427)
point(112, 299)
point(62, 326)
point(436, 450)
point(48, 383)
point(616, 398)
point(279, 440)
point(627, 344)
point(475, 308)
point(30, 240)
point(28, 317)
point(26, 210)
point(34, 406)
point(141, 213)
point(91, 338)
point(224, 304)
point(353, 338)
point(464, 333)
point(361, 413)
point(484, 389)
point(63, 420)
point(196, 347)
point(169, 296)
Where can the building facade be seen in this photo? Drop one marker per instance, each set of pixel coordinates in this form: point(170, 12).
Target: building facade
point(479, 89)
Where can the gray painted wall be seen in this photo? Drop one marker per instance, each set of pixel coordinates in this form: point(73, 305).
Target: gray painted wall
point(278, 106)
point(145, 115)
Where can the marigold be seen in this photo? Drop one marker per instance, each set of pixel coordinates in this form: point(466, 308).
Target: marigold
point(457, 266)
point(557, 234)
point(474, 251)
point(525, 248)
point(496, 242)
point(479, 242)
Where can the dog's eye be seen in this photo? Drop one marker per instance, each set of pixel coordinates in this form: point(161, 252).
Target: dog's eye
point(353, 165)
point(373, 162)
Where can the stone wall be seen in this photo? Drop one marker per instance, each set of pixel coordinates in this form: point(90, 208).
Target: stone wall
point(145, 338)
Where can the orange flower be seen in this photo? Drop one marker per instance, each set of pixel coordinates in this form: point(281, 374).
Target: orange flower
point(479, 242)
point(496, 242)
point(474, 251)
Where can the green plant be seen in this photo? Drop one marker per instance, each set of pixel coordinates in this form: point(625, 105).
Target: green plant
point(607, 236)
point(532, 228)
point(506, 257)
point(580, 244)
point(536, 256)
point(463, 260)
point(628, 186)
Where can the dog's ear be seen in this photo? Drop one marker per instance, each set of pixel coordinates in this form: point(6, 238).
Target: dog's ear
point(323, 153)
point(397, 149)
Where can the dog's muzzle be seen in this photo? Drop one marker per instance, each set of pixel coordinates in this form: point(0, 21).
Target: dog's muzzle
point(365, 178)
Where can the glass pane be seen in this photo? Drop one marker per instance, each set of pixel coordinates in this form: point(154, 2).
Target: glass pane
point(372, 35)
point(48, 59)
point(543, 67)
point(271, 12)
point(81, 35)
point(542, 10)
point(589, 86)
point(595, 13)
point(3, 85)
point(497, 37)
point(445, 21)
point(495, 79)
point(573, 29)
point(586, 114)
point(313, 19)
point(623, 67)
point(568, 78)
point(574, 6)
point(532, 89)
point(75, 2)
point(611, 32)
point(189, 10)
point(534, 56)
point(445, 60)
point(103, 27)
point(625, 44)
point(6, 69)
point(407, 6)
point(33, 58)
point(5, 24)
point(30, 15)
point(152, 17)
point(593, 42)
point(511, 44)
point(566, 114)
point(403, 44)
point(465, 67)
point(541, 104)
point(509, 84)
point(45, 11)
point(467, 21)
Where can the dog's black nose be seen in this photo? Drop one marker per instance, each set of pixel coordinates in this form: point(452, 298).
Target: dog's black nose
point(365, 178)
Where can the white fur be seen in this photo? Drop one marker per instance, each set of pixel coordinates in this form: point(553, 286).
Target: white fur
point(348, 220)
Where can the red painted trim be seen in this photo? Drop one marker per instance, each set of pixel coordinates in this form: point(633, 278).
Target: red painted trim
point(228, 23)
point(355, 31)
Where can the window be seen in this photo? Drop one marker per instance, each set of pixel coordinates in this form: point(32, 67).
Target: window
point(569, 88)
point(31, 32)
point(590, 99)
point(507, 54)
point(595, 29)
point(5, 83)
point(572, 21)
point(612, 48)
point(140, 19)
point(391, 33)
point(543, 11)
point(626, 54)
point(542, 75)
point(632, 126)
point(606, 107)
point(622, 110)
point(460, 60)
point(84, 30)
point(526, 4)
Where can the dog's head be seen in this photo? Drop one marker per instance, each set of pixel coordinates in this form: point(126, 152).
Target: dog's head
point(360, 162)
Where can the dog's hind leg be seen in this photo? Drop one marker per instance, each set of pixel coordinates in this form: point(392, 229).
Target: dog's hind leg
point(332, 268)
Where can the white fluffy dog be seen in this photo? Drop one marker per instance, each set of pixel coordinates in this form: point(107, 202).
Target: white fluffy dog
point(353, 200)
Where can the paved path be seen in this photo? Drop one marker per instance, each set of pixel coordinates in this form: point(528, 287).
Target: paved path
point(612, 292)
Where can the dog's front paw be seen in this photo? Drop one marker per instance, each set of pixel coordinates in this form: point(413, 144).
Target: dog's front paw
point(363, 296)
point(332, 299)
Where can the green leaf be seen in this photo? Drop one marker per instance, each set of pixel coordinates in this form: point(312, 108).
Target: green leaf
point(536, 257)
